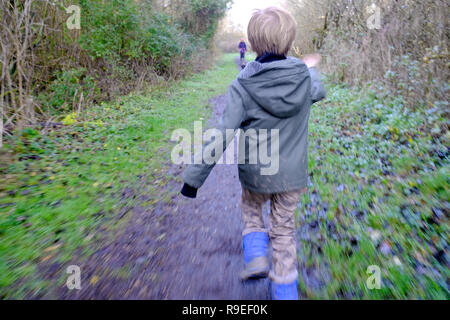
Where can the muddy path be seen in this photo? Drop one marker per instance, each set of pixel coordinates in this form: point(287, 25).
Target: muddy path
point(177, 249)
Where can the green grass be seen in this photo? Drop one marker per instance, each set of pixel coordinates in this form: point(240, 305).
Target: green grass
point(378, 196)
point(53, 205)
point(378, 189)
point(250, 56)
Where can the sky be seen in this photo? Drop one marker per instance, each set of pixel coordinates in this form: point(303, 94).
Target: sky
point(241, 10)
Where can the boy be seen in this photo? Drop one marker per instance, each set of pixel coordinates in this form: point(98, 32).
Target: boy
point(275, 93)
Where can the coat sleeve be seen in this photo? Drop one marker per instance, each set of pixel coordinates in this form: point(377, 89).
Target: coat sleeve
point(317, 89)
point(196, 174)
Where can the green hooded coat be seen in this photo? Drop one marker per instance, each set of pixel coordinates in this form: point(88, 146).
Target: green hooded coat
point(276, 95)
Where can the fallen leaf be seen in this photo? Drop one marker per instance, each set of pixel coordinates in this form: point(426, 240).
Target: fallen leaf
point(375, 235)
point(21, 218)
point(94, 280)
point(47, 258)
point(52, 248)
point(90, 236)
point(397, 261)
point(385, 248)
point(161, 237)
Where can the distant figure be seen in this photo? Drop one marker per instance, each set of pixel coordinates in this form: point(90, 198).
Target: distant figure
point(243, 49)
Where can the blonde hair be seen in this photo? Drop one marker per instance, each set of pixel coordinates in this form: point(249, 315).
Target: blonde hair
point(271, 30)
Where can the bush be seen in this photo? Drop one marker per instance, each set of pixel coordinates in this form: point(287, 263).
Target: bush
point(122, 45)
point(408, 55)
point(109, 28)
point(164, 41)
point(68, 85)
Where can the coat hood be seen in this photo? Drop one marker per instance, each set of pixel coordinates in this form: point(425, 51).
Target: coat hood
point(278, 87)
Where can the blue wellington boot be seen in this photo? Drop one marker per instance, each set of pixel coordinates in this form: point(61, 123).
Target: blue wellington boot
point(281, 291)
point(255, 256)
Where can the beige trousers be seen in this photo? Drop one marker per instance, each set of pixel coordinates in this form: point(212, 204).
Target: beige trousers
point(282, 229)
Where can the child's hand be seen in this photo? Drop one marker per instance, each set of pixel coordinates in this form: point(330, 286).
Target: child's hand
point(312, 60)
point(188, 191)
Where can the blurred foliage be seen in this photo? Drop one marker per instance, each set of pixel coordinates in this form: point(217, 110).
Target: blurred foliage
point(68, 85)
point(378, 195)
point(408, 54)
point(198, 17)
point(123, 45)
point(109, 27)
point(62, 191)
